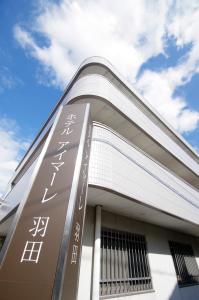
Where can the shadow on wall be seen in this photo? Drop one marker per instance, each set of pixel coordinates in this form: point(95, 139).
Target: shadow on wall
point(185, 293)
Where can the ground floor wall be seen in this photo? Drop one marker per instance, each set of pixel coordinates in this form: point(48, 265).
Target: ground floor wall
point(162, 268)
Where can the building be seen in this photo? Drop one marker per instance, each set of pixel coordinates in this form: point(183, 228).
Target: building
point(140, 212)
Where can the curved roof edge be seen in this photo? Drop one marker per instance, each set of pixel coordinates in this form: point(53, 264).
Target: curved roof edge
point(105, 63)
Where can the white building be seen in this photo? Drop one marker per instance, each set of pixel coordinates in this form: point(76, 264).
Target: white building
point(141, 233)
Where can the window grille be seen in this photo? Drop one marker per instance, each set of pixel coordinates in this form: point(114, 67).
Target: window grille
point(185, 264)
point(124, 263)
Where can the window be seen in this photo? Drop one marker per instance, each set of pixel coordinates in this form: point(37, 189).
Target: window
point(124, 263)
point(185, 264)
point(2, 240)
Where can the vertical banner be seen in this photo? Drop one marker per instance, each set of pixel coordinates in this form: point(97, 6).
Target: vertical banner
point(43, 257)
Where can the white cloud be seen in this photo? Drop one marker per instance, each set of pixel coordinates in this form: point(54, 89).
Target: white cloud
point(128, 34)
point(75, 30)
point(158, 89)
point(11, 149)
point(7, 80)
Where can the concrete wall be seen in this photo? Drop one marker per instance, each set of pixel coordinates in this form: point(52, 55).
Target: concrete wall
point(161, 263)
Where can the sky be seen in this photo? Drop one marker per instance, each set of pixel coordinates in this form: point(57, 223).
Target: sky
point(153, 44)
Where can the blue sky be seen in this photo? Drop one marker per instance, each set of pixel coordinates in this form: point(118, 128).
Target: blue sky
point(21, 91)
point(154, 44)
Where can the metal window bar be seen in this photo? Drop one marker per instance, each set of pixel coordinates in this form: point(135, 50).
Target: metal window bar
point(124, 263)
point(185, 264)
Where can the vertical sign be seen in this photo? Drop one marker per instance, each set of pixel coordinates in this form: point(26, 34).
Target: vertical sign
point(43, 257)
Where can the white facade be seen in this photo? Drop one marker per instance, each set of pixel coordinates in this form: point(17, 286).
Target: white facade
point(143, 174)
point(161, 264)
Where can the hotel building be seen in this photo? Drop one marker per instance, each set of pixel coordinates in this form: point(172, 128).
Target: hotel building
point(105, 203)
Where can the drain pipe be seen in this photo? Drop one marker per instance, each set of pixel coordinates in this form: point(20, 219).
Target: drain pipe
point(96, 256)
